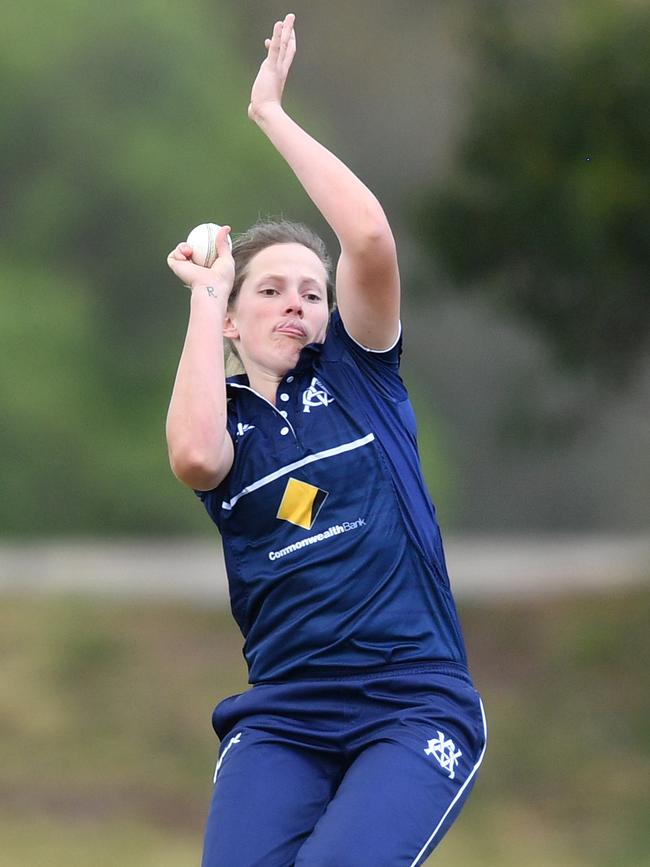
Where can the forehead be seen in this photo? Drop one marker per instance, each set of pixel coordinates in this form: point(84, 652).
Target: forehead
point(287, 260)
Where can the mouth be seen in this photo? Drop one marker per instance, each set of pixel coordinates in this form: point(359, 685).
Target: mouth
point(292, 329)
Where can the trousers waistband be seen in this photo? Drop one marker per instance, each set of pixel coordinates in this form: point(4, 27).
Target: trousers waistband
point(448, 668)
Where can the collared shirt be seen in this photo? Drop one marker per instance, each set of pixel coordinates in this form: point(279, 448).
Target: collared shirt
point(332, 548)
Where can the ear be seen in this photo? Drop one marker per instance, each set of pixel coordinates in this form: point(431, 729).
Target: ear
point(230, 329)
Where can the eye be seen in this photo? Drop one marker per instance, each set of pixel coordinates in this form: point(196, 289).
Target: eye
point(312, 296)
point(268, 291)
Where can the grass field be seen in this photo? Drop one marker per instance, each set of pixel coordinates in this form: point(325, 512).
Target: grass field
point(107, 753)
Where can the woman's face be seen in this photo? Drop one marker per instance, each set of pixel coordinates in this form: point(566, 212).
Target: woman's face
point(281, 307)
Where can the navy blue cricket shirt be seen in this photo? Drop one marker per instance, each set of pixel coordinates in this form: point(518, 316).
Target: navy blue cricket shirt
point(332, 548)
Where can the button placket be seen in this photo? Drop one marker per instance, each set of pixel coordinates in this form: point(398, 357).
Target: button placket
point(284, 397)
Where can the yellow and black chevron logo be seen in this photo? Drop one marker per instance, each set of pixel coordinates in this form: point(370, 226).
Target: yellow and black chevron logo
point(301, 503)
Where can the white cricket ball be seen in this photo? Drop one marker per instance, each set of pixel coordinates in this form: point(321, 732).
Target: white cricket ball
point(203, 241)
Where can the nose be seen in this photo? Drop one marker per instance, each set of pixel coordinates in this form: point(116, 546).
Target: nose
point(294, 303)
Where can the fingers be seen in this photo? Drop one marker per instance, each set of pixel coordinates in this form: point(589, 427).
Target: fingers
point(282, 45)
point(287, 41)
point(181, 253)
point(177, 261)
point(223, 247)
point(274, 44)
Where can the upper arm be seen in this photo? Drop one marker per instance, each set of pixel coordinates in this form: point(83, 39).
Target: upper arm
point(368, 291)
point(205, 474)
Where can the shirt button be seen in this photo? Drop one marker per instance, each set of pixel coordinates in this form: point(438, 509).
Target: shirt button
point(289, 378)
point(284, 396)
point(283, 413)
point(284, 431)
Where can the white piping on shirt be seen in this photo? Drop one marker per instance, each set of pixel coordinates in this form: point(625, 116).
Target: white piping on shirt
point(328, 453)
point(376, 351)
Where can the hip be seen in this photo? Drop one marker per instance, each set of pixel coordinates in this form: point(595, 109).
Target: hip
point(332, 709)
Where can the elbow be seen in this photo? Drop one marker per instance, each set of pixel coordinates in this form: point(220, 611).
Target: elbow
point(374, 243)
point(194, 468)
point(378, 229)
point(375, 237)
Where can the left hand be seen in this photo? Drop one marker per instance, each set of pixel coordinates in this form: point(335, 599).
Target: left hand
point(269, 84)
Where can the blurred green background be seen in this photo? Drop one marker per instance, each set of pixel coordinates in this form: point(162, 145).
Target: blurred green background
point(508, 141)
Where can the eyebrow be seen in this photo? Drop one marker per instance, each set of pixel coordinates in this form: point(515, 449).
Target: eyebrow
point(311, 280)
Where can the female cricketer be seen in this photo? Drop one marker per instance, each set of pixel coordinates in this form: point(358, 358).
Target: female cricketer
point(361, 734)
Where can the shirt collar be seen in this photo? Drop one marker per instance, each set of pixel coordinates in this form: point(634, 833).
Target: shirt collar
point(305, 360)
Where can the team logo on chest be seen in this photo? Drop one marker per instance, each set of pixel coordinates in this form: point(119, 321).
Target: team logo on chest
point(301, 503)
point(315, 395)
point(444, 751)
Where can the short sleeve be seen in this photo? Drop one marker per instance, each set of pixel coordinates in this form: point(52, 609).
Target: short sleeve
point(389, 356)
point(380, 370)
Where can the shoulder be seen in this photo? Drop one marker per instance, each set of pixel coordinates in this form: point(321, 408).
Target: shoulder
point(340, 341)
point(370, 370)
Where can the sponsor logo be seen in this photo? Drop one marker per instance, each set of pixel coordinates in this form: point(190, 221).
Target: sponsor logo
point(335, 530)
point(242, 428)
point(301, 503)
point(444, 752)
point(315, 395)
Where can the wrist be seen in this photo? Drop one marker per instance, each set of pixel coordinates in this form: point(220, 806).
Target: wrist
point(265, 112)
point(212, 291)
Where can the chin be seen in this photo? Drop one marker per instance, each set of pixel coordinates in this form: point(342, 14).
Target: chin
point(291, 348)
point(292, 356)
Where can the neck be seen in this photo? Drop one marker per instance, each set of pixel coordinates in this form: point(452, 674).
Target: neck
point(264, 382)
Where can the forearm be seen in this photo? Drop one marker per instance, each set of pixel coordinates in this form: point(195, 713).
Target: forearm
point(196, 421)
point(349, 207)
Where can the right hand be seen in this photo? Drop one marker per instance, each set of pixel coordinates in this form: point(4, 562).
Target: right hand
point(221, 273)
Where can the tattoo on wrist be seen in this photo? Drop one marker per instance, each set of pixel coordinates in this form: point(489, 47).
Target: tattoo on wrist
point(213, 291)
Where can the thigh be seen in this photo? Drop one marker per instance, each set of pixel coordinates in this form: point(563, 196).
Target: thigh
point(268, 795)
point(396, 801)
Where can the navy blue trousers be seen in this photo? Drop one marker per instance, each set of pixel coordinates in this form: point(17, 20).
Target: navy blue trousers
point(344, 771)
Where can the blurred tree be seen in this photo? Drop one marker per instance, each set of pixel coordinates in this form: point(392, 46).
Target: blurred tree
point(123, 125)
point(548, 211)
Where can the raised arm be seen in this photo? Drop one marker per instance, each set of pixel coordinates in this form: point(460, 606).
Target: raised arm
point(367, 277)
point(200, 449)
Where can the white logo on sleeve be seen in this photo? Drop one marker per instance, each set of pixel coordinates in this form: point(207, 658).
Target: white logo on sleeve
point(315, 395)
point(444, 751)
point(242, 428)
point(233, 740)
